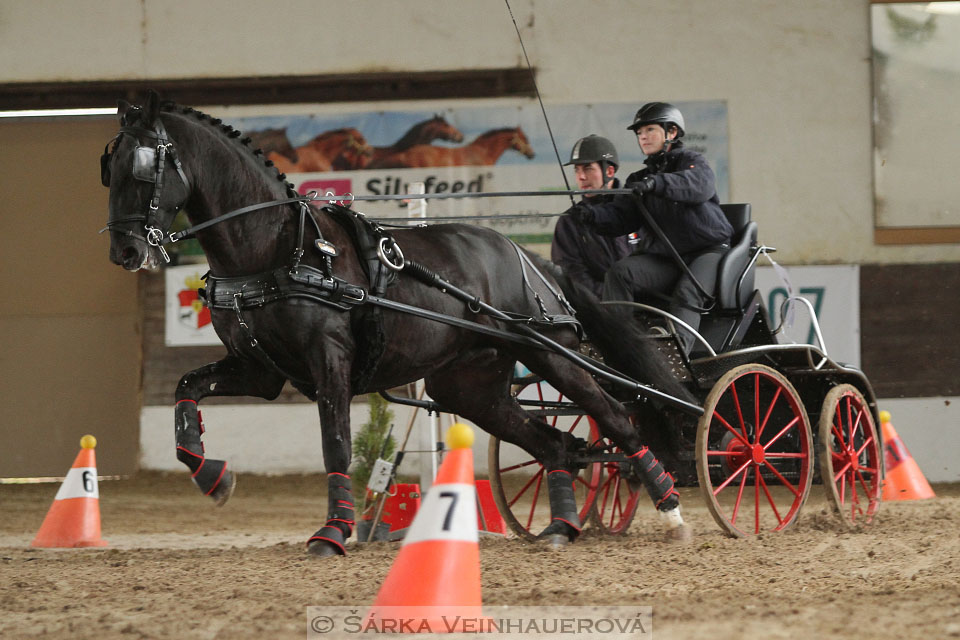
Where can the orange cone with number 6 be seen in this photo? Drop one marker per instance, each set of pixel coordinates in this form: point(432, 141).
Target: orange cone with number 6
point(434, 583)
point(74, 517)
point(904, 480)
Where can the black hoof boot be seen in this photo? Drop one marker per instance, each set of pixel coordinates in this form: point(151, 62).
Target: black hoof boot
point(326, 542)
point(643, 468)
point(557, 535)
point(564, 524)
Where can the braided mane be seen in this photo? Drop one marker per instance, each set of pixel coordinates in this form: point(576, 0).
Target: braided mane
point(233, 135)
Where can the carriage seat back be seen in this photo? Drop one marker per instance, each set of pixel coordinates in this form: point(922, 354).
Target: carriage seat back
point(732, 293)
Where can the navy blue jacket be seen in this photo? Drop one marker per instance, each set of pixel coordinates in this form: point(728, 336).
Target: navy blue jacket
point(683, 203)
point(584, 254)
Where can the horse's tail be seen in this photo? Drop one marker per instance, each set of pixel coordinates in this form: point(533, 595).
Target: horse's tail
point(617, 335)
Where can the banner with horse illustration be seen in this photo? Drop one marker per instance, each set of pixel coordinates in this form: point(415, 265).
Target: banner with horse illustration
point(467, 149)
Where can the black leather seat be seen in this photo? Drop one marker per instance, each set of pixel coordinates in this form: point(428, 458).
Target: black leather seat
point(733, 293)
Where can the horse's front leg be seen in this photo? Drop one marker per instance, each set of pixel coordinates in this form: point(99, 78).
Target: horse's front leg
point(231, 376)
point(333, 401)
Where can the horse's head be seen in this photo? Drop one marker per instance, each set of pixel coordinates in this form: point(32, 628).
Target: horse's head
point(437, 128)
point(147, 185)
point(520, 143)
point(355, 152)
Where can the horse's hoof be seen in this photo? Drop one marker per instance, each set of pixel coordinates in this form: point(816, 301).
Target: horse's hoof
point(323, 549)
point(224, 489)
point(680, 534)
point(553, 541)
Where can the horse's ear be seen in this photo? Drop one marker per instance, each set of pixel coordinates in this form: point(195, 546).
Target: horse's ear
point(152, 109)
point(122, 107)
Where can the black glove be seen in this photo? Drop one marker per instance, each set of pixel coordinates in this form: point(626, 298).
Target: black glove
point(581, 212)
point(645, 185)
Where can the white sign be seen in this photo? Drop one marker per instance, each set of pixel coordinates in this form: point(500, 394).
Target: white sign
point(834, 293)
point(187, 321)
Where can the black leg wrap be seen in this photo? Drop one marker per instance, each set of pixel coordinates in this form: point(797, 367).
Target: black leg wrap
point(207, 474)
point(655, 478)
point(563, 506)
point(340, 518)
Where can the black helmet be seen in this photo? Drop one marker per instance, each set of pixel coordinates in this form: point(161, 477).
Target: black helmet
point(661, 113)
point(594, 148)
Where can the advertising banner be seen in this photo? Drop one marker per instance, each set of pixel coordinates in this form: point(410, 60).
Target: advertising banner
point(467, 149)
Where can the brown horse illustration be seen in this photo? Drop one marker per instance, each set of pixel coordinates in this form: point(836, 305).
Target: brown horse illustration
point(486, 149)
point(436, 128)
point(334, 150)
point(273, 140)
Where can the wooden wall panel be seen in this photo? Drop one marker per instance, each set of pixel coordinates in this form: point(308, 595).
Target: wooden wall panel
point(910, 329)
point(69, 338)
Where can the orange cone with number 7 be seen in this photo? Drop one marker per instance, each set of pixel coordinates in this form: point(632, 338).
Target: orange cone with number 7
point(904, 480)
point(74, 517)
point(434, 583)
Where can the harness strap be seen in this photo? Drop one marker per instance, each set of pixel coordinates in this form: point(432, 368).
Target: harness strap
point(180, 235)
point(524, 263)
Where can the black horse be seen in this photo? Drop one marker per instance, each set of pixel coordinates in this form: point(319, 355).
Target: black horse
point(292, 287)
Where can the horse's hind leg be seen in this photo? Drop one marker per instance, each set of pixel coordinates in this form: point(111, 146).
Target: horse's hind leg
point(479, 391)
point(614, 422)
point(231, 376)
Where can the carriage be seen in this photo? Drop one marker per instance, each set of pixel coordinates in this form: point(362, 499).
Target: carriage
point(777, 418)
point(325, 299)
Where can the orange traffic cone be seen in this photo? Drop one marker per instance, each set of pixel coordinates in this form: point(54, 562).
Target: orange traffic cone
point(74, 517)
point(904, 479)
point(434, 583)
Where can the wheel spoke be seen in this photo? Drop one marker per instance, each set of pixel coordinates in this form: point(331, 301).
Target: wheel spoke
point(863, 484)
point(536, 496)
point(589, 485)
point(837, 427)
point(519, 466)
point(736, 505)
point(773, 505)
point(783, 480)
point(789, 426)
point(729, 428)
point(865, 445)
point(575, 424)
point(736, 403)
point(838, 432)
point(776, 396)
point(756, 501)
point(843, 470)
point(724, 484)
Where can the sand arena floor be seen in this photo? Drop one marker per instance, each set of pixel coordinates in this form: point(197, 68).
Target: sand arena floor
point(177, 567)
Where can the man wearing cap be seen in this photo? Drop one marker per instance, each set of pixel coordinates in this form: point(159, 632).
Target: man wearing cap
point(583, 253)
point(677, 187)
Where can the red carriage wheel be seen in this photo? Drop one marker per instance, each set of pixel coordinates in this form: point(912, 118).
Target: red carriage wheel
point(754, 451)
point(849, 452)
point(519, 481)
point(616, 503)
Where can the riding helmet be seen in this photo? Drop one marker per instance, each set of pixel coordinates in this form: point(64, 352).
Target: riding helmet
point(661, 113)
point(594, 148)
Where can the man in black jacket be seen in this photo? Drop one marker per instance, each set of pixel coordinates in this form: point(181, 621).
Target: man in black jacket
point(582, 253)
point(677, 187)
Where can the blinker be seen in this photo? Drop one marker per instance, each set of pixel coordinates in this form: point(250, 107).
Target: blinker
point(145, 164)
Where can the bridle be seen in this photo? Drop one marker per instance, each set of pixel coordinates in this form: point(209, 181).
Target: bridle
point(149, 164)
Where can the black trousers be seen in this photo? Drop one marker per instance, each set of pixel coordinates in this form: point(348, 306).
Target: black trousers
point(636, 277)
